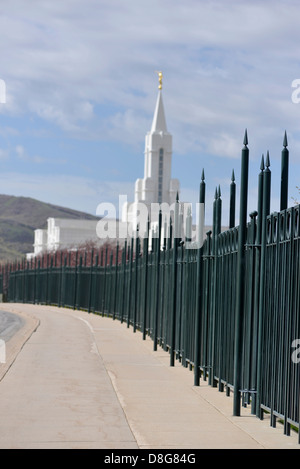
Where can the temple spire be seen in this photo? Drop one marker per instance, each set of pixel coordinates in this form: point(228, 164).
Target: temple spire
point(159, 120)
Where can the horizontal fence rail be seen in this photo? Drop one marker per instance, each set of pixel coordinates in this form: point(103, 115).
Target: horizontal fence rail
point(227, 308)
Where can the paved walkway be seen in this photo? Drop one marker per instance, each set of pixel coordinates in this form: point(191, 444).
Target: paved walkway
point(78, 380)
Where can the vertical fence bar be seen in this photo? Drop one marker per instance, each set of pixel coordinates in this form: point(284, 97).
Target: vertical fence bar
point(75, 279)
point(136, 273)
point(94, 283)
point(288, 320)
point(156, 311)
point(110, 285)
point(199, 282)
point(257, 280)
point(220, 300)
point(212, 305)
point(63, 282)
point(90, 284)
point(145, 264)
point(130, 281)
point(123, 296)
point(214, 312)
point(240, 281)
point(174, 282)
point(79, 282)
point(265, 213)
point(116, 281)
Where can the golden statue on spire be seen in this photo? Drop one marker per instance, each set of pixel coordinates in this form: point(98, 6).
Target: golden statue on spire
point(160, 77)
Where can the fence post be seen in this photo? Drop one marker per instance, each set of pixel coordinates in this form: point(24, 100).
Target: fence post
point(37, 282)
point(240, 281)
point(174, 284)
point(34, 279)
point(199, 282)
point(110, 284)
point(145, 262)
point(63, 282)
point(265, 213)
point(75, 279)
point(50, 281)
point(130, 281)
point(219, 295)
point(156, 311)
point(94, 283)
point(91, 281)
point(213, 299)
point(60, 277)
point(213, 310)
point(136, 267)
point(116, 281)
point(104, 281)
point(79, 283)
point(257, 277)
point(123, 289)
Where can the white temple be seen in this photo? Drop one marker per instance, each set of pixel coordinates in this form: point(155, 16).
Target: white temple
point(156, 189)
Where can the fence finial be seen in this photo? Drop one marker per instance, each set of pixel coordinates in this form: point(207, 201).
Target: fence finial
point(262, 163)
point(268, 160)
point(202, 175)
point(285, 142)
point(284, 175)
point(245, 138)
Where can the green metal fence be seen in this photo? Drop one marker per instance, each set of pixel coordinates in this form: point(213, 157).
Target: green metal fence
point(228, 309)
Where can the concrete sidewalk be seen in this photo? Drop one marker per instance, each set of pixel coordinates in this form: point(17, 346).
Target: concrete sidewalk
point(84, 381)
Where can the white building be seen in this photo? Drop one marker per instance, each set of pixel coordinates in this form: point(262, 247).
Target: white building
point(63, 233)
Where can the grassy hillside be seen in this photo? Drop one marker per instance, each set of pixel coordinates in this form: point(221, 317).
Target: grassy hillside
point(20, 216)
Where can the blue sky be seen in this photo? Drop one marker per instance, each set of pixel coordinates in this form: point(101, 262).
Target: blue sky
point(81, 91)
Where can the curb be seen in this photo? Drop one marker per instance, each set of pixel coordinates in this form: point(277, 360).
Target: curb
point(17, 342)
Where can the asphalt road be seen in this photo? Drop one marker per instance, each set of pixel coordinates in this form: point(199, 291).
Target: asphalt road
point(9, 324)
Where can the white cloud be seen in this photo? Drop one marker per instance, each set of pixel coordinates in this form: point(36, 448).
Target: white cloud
point(22, 155)
point(20, 151)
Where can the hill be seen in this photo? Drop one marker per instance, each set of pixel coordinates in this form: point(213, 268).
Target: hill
point(20, 216)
